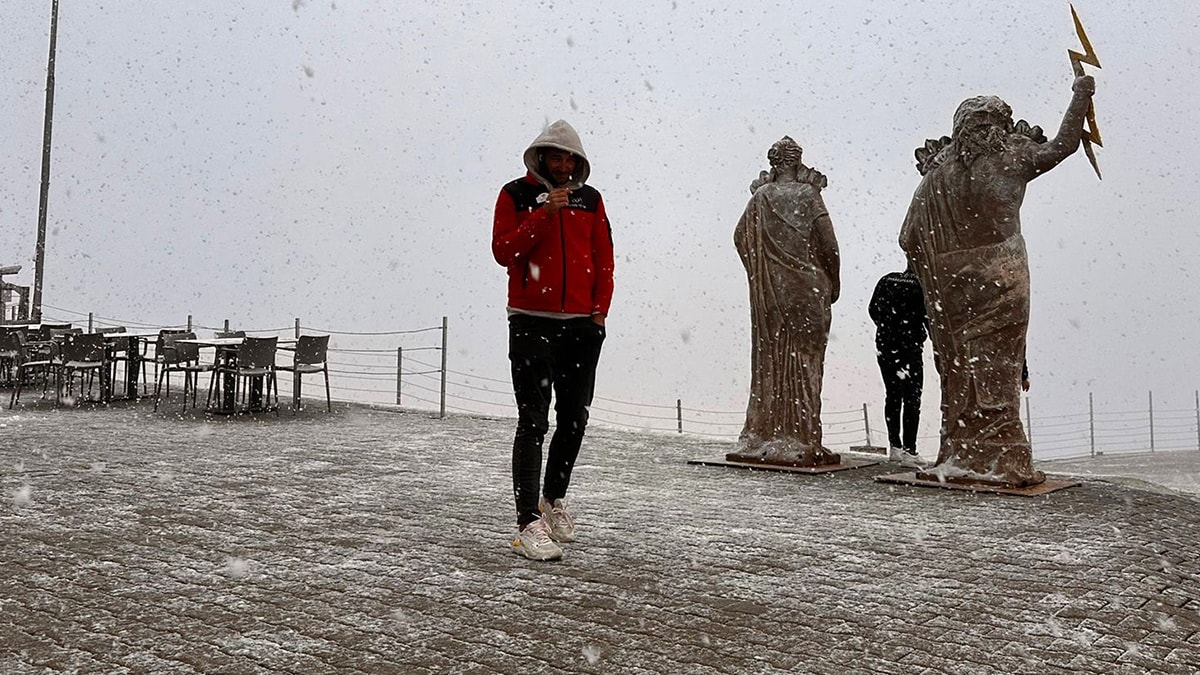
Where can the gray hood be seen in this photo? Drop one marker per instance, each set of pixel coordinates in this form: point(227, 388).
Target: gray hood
point(561, 136)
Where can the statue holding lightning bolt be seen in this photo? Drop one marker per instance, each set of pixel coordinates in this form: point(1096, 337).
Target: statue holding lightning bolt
point(963, 236)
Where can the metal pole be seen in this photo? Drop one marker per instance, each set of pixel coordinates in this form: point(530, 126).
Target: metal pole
point(226, 328)
point(445, 324)
point(1151, 421)
point(399, 367)
point(1092, 423)
point(189, 324)
point(1198, 419)
point(679, 414)
point(39, 255)
point(867, 424)
point(295, 374)
point(90, 328)
point(1028, 423)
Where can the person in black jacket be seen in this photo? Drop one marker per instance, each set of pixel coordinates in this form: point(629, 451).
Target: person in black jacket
point(901, 326)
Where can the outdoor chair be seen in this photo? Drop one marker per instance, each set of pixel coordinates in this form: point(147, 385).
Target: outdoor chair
point(10, 349)
point(118, 348)
point(156, 359)
point(180, 357)
point(255, 359)
point(46, 331)
point(309, 356)
point(30, 359)
point(82, 355)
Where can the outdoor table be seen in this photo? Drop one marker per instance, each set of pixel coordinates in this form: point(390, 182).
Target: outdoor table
point(226, 357)
point(131, 344)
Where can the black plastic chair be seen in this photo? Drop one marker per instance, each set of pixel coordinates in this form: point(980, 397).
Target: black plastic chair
point(255, 359)
point(156, 358)
point(310, 355)
point(83, 355)
point(181, 357)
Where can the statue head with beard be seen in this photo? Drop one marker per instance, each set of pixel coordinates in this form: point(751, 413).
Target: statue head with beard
point(981, 127)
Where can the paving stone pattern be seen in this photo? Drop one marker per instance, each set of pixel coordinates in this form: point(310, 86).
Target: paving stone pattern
point(370, 541)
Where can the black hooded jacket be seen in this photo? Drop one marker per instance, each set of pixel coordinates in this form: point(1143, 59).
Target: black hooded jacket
point(898, 310)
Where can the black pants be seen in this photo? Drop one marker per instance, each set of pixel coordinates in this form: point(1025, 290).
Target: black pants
point(549, 355)
point(903, 377)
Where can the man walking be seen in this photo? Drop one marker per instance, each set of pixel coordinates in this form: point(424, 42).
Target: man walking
point(551, 232)
point(898, 310)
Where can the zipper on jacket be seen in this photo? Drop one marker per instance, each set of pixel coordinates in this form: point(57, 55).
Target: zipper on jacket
point(562, 239)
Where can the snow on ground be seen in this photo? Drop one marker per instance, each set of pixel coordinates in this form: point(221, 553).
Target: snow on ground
point(370, 541)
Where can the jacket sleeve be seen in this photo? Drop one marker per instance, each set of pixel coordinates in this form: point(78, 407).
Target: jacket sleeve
point(513, 240)
point(878, 300)
point(602, 258)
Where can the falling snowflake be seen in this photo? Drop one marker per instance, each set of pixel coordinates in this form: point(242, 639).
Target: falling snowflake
point(237, 568)
point(23, 496)
point(592, 654)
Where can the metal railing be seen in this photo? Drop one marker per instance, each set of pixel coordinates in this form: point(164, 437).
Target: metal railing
point(410, 368)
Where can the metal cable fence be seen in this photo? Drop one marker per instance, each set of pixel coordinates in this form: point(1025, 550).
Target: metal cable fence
point(409, 369)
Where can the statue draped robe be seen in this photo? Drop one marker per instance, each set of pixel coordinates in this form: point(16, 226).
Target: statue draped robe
point(977, 297)
point(786, 243)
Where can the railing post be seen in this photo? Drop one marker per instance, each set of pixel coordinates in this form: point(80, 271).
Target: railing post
point(679, 414)
point(90, 329)
point(226, 329)
point(189, 323)
point(1198, 419)
point(1092, 423)
point(867, 424)
point(1028, 424)
point(1151, 421)
point(295, 374)
point(445, 325)
point(399, 367)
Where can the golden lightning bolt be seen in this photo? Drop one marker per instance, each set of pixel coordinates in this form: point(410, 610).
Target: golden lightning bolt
point(1092, 133)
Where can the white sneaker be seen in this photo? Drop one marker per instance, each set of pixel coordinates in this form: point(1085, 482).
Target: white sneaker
point(560, 520)
point(912, 460)
point(534, 542)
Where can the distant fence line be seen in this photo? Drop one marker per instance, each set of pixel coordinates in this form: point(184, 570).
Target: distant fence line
point(377, 370)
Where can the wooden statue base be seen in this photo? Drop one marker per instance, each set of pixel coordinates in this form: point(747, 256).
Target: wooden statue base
point(758, 464)
point(870, 449)
point(1051, 484)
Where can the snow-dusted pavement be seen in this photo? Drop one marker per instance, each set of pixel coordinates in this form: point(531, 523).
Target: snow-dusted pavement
point(377, 542)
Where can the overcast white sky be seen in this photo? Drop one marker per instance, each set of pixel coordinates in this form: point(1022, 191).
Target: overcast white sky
point(339, 161)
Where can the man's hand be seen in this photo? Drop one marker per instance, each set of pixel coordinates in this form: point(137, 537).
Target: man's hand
point(558, 198)
point(1084, 84)
point(598, 319)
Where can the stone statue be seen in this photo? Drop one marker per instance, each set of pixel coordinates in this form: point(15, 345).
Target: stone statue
point(786, 243)
point(963, 236)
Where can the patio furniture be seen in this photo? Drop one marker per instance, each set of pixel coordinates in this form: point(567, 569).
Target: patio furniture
point(10, 349)
point(82, 355)
point(181, 357)
point(249, 365)
point(32, 358)
point(308, 356)
point(156, 359)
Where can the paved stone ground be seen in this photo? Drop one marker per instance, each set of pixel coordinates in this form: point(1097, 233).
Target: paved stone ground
point(368, 541)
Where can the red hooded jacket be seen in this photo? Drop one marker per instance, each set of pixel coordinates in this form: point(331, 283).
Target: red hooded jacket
point(559, 263)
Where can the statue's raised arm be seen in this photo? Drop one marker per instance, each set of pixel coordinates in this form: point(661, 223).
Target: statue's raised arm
point(1070, 132)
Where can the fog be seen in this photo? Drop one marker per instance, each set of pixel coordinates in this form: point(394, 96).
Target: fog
point(339, 162)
